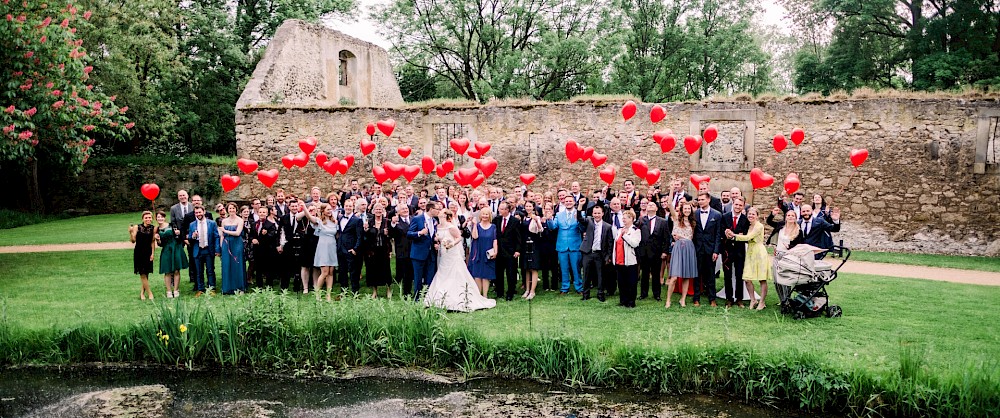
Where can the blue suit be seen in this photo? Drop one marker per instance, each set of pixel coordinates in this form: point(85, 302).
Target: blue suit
point(422, 252)
point(568, 240)
point(204, 258)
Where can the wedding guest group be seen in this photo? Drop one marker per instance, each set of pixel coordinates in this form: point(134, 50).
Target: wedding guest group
point(672, 246)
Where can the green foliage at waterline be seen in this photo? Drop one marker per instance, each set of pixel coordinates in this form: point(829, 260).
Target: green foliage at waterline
point(271, 332)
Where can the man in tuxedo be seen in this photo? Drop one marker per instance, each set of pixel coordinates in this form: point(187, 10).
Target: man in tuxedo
point(190, 217)
point(351, 241)
point(652, 250)
point(265, 237)
point(401, 245)
point(203, 236)
point(494, 200)
point(567, 223)
point(343, 255)
point(287, 223)
point(509, 247)
point(595, 249)
point(815, 228)
point(707, 243)
point(421, 235)
point(734, 253)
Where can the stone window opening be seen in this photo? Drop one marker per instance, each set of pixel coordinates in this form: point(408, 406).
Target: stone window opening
point(345, 61)
point(993, 142)
point(443, 134)
point(987, 159)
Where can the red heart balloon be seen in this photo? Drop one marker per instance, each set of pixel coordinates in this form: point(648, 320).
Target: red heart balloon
point(711, 132)
point(597, 159)
point(229, 182)
point(487, 165)
point(301, 159)
point(478, 180)
point(411, 172)
point(657, 114)
point(150, 191)
point(307, 145)
point(386, 127)
point(607, 175)
point(332, 166)
point(587, 153)
point(792, 183)
point(652, 176)
point(380, 175)
point(288, 161)
point(691, 144)
point(393, 170)
point(667, 143)
point(465, 176)
point(482, 147)
point(640, 168)
point(460, 145)
point(759, 179)
point(427, 163)
point(779, 143)
point(343, 166)
point(245, 165)
point(628, 110)
point(527, 178)
point(659, 135)
point(268, 177)
point(858, 157)
point(367, 146)
point(697, 180)
point(404, 151)
point(439, 170)
point(573, 151)
point(321, 159)
point(798, 135)
point(473, 153)
point(350, 160)
point(370, 129)
point(448, 165)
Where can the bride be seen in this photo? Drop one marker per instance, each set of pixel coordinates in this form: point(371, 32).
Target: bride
point(453, 288)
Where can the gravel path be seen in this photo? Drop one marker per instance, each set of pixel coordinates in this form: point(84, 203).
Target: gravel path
point(856, 267)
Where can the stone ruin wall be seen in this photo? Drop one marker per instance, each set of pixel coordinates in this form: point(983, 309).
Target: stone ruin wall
point(916, 192)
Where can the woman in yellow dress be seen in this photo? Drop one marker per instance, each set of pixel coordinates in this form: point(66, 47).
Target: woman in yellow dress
point(758, 262)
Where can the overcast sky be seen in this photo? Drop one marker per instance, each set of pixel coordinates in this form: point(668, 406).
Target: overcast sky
point(364, 29)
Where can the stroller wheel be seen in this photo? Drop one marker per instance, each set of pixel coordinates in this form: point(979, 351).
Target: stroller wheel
point(834, 311)
point(799, 315)
point(785, 309)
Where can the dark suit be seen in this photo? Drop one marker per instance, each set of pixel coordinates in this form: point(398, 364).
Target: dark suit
point(650, 252)
point(707, 242)
point(203, 259)
point(401, 244)
point(351, 238)
point(715, 203)
point(422, 252)
point(265, 253)
point(734, 254)
point(815, 232)
point(288, 264)
point(509, 241)
point(594, 261)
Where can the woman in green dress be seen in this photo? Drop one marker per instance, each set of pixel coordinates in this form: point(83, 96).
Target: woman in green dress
point(173, 258)
point(758, 262)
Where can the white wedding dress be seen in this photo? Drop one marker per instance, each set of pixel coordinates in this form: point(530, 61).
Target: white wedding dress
point(452, 287)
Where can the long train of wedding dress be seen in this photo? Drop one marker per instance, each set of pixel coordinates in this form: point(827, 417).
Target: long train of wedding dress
point(453, 287)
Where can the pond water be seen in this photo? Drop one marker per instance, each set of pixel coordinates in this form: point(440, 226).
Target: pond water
point(32, 392)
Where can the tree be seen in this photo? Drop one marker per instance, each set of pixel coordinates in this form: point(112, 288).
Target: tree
point(52, 114)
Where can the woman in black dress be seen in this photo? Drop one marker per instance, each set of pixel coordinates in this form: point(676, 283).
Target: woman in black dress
point(142, 256)
point(308, 240)
point(377, 257)
point(247, 248)
point(532, 256)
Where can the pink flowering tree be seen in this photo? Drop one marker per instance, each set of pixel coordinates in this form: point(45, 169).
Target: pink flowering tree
point(49, 113)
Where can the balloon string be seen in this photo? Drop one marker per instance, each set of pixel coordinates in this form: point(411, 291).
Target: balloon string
point(848, 182)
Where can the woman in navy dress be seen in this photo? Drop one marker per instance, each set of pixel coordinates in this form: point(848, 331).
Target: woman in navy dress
point(483, 252)
point(233, 275)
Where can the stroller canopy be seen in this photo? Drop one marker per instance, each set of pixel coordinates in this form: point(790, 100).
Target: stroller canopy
point(796, 266)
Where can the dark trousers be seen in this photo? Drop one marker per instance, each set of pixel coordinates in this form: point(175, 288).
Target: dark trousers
point(265, 262)
point(705, 285)
point(732, 268)
point(611, 284)
point(506, 272)
point(423, 274)
point(204, 261)
point(593, 266)
point(356, 261)
point(343, 268)
point(404, 274)
point(628, 276)
point(649, 274)
point(288, 268)
point(549, 275)
point(191, 272)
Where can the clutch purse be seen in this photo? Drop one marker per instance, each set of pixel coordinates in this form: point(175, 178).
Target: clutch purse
point(491, 253)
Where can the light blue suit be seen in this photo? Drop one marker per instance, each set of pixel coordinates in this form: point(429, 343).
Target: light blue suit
point(568, 240)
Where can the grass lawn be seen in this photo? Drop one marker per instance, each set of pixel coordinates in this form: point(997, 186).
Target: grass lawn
point(96, 228)
point(951, 323)
point(931, 260)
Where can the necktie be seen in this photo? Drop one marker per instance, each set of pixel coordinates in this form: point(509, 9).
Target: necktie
point(183, 211)
point(258, 226)
point(808, 224)
point(504, 226)
point(650, 225)
point(294, 224)
point(735, 219)
point(618, 223)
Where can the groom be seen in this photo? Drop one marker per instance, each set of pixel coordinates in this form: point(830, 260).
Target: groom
point(421, 235)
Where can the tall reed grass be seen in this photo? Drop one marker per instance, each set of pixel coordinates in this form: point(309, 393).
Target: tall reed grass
point(271, 332)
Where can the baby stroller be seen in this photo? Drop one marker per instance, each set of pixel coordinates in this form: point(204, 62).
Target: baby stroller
point(801, 281)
